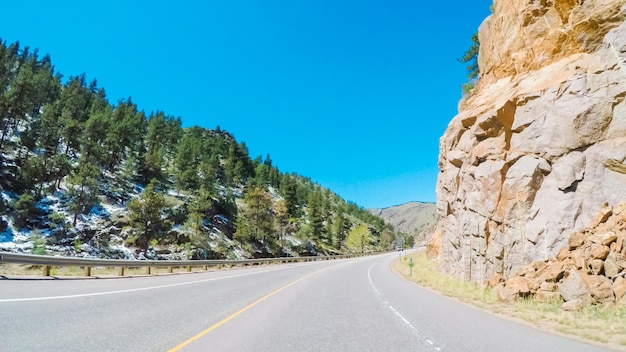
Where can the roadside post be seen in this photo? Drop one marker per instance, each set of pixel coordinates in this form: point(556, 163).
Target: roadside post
point(411, 266)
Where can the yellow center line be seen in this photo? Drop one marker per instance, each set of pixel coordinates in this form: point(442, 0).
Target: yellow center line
point(242, 310)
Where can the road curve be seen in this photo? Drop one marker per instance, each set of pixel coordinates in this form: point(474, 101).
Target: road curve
point(343, 305)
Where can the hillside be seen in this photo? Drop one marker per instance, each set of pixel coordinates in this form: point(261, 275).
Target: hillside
point(538, 146)
point(80, 176)
point(410, 218)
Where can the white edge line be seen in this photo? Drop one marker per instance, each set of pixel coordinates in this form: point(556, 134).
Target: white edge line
point(369, 276)
point(131, 290)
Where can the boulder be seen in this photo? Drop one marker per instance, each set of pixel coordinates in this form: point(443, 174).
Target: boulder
point(602, 216)
point(494, 280)
point(573, 305)
point(573, 288)
point(611, 266)
point(619, 244)
point(514, 288)
point(600, 288)
point(608, 238)
point(599, 251)
point(553, 272)
point(596, 266)
point(563, 254)
point(519, 285)
point(579, 260)
point(548, 286)
point(547, 296)
point(505, 294)
point(527, 271)
point(576, 240)
point(619, 290)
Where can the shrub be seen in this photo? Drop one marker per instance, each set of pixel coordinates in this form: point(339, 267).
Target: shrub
point(24, 209)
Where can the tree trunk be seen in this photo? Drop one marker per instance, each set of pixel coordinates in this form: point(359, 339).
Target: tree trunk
point(78, 204)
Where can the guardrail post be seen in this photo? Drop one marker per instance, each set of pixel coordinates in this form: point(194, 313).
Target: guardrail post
point(120, 271)
point(188, 268)
point(46, 270)
point(170, 269)
point(87, 271)
point(149, 270)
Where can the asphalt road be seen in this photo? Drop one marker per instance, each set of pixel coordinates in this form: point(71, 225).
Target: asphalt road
point(343, 305)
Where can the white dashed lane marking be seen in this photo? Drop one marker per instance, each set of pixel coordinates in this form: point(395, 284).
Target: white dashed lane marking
point(406, 321)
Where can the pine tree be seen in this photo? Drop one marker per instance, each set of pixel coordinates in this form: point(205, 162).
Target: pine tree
point(471, 58)
point(83, 193)
point(340, 229)
point(257, 220)
point(328, 231)
point(125, 133)
point(33, 86)
point(75, 104)
point(226, 205)
point(188, 159)
point(49, 136)
point(153, 157)
point(236, 171)
point(199, 208)
point(7, 63)
point(264, 173)
point(316, 217)
point(31, 175)
point(288, 190)
point(94, 134)
point(281, 218)
point(59, 167)
point(210, 172)
point(16, 96)
point(146, 215)
point(25, 209)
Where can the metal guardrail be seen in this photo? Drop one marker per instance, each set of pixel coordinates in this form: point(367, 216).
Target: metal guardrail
point(47, 262)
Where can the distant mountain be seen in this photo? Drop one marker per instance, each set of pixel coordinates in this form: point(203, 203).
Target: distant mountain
point(410, 218)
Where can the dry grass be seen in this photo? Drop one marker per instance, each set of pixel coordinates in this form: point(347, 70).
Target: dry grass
point(604, 324)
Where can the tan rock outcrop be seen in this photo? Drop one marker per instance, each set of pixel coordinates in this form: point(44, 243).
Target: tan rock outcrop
point(540, 146)
point(523, 36)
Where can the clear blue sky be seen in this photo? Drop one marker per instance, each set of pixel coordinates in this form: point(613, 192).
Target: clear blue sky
point(351, 93)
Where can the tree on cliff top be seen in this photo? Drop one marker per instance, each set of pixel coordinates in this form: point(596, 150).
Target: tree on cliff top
point(471, 58)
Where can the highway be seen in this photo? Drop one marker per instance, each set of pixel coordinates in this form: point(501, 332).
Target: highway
point(342, 305)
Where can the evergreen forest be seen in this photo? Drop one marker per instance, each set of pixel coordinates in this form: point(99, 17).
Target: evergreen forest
point(80, 176)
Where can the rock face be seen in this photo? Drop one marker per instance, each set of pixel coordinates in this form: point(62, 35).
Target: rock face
point(540, 145)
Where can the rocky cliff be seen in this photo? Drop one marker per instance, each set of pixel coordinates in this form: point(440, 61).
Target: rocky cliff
point(540, 145)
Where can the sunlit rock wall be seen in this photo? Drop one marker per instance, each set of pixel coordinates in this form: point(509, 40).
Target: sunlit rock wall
point(541, 143)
